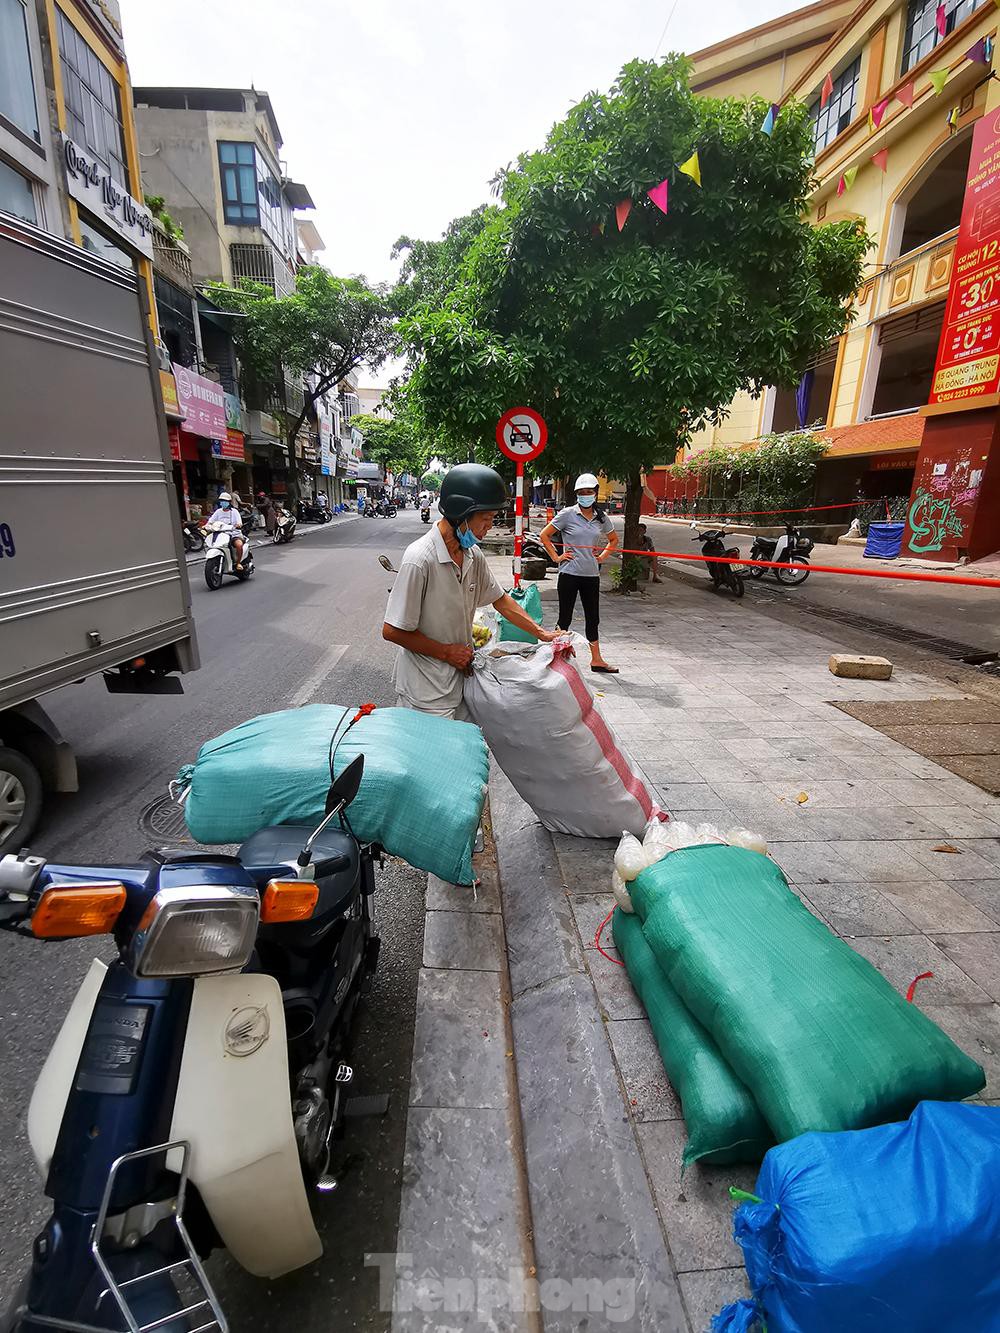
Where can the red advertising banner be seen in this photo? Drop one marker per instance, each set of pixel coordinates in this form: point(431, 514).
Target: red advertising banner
point(232, 445)
point(968, 359)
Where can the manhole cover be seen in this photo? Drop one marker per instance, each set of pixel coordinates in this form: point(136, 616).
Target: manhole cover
point(163, 822)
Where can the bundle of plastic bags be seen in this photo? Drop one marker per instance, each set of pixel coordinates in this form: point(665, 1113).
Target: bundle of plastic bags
point(546, 732)
point(812, 1035)
point(887, 1230)
point(421, 796)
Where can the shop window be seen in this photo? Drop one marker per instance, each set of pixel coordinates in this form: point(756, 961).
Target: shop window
point(16, 194)
point(93, 106)
point(251, 192)
point(17, 87)
point(97, 243)
point(783, 409)
point(907, 350)
point(834, 118)
point(935, 207)
point(922, 35)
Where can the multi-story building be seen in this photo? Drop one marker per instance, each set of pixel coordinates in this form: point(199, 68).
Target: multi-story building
point(892, 146)
point(69, 159)
point(214, 154)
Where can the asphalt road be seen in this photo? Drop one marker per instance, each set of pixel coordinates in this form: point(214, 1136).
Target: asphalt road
point(306, 629)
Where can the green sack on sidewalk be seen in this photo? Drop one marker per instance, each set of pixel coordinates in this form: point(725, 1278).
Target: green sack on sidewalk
point(529, 599)
point(815, 1032)
point(723, 1123)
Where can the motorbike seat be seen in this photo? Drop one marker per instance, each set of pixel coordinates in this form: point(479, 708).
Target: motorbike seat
point(281, 845)
point(766, 543)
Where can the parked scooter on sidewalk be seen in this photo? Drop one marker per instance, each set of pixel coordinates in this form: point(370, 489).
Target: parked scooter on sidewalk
point(194, 537)
point(284, 526)
point(309, 511)
point(192, 1095)
point(791, 546)
point(386, 508)
point(220, 556)
point(721, 570)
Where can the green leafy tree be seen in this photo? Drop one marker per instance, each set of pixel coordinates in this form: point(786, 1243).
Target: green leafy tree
point(431, 481)
point(325, 329)
point(392, 442)
point(629, 340)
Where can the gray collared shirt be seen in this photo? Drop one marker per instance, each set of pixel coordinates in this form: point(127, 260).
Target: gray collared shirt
point(586, 534)
point(432, 595)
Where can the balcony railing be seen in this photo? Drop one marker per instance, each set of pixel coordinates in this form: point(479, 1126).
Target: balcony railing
point(262, 263)
point(174, 262)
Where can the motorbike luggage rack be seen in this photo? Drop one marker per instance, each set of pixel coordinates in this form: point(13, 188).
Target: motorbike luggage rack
point(203, 1300)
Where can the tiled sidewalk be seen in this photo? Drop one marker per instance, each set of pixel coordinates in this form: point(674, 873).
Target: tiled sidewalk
point(728, 713)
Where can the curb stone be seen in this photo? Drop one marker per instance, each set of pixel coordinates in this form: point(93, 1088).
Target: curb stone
point(595, 1220)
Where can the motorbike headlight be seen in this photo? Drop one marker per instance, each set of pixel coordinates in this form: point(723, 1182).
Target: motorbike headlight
point(189, 932)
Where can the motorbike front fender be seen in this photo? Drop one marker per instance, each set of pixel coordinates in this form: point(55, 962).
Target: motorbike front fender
point(233, 1105)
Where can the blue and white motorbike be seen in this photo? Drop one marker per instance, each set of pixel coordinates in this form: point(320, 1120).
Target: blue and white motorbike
point(192, 1095)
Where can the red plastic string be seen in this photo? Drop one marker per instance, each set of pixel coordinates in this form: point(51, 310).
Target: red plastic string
point(911, 990)
point(597, 940)
point(363, 711)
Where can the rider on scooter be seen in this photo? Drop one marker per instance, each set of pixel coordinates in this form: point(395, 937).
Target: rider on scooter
point(229, 517)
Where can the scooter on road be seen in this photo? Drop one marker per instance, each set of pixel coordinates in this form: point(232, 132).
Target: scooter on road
point(193, 1093)
point(284, 526)
point(220, 556)
point(791, 547)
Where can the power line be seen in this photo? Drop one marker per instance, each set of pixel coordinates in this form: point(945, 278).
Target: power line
point(666, 25)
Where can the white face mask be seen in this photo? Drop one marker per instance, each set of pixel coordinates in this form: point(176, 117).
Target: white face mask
point(586, 501)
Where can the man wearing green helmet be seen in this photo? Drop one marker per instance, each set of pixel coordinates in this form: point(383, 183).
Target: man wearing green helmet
point(443, 579)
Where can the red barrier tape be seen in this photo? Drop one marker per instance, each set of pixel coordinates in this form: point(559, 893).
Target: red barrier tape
point(911, 989)
point(915, 576)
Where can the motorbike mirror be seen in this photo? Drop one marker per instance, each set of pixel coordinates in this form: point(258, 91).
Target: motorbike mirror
point(390, 568)
point(346, 787)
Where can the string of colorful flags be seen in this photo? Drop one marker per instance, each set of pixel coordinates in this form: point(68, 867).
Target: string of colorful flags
point(980, 52)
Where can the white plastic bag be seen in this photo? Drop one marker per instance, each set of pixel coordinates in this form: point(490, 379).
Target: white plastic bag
point(546, 732)
point(630, 858)
point(657, 840)
point(622, 896)
point(743, 837)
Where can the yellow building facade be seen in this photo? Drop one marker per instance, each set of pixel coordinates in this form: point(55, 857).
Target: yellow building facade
point(892, 148)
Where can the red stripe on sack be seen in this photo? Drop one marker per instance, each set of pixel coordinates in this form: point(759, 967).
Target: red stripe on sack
point(599, 729)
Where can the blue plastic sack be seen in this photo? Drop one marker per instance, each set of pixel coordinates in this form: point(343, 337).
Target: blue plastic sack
point(421, 796)
point(884, 540)
point(888, 1230)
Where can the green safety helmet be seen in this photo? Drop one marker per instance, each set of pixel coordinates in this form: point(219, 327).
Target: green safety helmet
point(471, 488)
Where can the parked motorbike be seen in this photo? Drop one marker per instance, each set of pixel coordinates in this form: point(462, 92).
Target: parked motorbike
point(311, 512)
point(193, 1093)
point(220, 556)
point(194, 538)
point(284, 526)
point(386, 509)
point(791, 546)
point(533, 548)
point(721, 571)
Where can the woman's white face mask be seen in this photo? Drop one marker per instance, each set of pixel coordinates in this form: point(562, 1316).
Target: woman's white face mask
point(586, 500)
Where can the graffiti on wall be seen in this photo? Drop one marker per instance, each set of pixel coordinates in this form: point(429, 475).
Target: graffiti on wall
point(932, 520)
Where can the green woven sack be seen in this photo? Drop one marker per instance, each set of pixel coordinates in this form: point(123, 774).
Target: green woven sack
point(723, 1123)
point(529, 599)
point(421, 796)
point(820, 1038)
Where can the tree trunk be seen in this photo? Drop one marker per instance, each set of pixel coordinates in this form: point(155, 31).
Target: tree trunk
point(631, 542)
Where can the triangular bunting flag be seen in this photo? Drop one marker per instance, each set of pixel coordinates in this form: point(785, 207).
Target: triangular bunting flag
point(881, 158)
point(841, 187)
point(941, 19)
point(952, 118)
point(692, 168)
point(827, 90)
point(658, 194)
point(905, 94)
point(877, 112)
point(622, 210)
point(938, 77)
point(767, 127)
point(850, 176)
point(977, 53)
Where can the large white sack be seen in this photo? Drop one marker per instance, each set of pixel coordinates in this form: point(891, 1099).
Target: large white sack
point(548, 735)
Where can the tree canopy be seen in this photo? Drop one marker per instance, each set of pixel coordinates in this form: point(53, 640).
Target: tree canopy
point(628, 340)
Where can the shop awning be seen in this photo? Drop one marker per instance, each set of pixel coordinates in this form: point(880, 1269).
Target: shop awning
point(891, 435)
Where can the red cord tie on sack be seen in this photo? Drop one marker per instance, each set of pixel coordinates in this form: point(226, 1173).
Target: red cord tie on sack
point(912, 988)
point(363, 711)
point(597, 940)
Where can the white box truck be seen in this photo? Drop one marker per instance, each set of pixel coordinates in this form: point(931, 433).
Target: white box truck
point(92, 571)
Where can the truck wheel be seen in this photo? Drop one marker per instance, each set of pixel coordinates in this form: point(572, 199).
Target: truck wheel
point(20, 800)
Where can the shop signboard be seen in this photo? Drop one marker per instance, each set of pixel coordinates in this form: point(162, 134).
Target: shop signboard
point(91, 184)
point(231, 446)
point(203, 404)
point(168, 392)
point(234, 411)
point(327, 458)
point(968, 359)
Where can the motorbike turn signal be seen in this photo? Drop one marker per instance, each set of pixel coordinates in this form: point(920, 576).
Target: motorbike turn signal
point(288, 900)
point(69, 911)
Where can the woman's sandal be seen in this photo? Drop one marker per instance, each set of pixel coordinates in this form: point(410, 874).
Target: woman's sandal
point(605, 670)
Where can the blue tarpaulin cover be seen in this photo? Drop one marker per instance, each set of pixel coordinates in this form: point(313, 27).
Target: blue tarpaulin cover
point(884, 540)
point(888, 1230)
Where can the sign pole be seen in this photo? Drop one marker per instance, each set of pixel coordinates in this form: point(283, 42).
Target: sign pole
point(518, 522)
